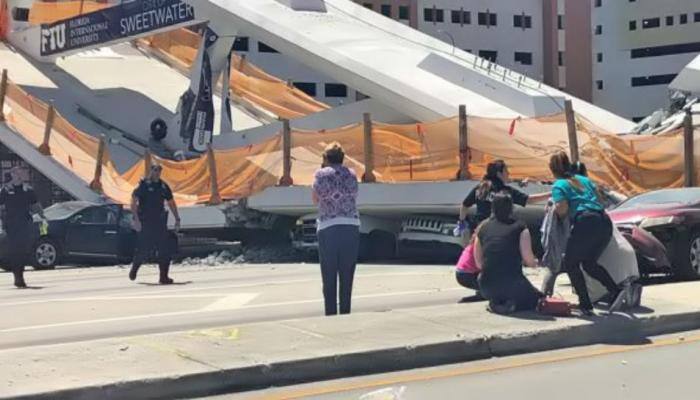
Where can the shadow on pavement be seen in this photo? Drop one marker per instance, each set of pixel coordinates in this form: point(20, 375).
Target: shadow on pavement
point(172, 284)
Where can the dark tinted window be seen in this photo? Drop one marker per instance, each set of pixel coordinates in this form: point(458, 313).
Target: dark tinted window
point(241, 44)
point(523, 58)
point(386, 10)
point(404, 12)
point(336, 90)
point(489, 55)
point(653, 80)
point(666, 50)
point(263, 48)
point(650, 23)
point(306, 87)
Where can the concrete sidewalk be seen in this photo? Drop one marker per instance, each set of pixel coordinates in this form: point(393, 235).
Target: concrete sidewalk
point(198, 363)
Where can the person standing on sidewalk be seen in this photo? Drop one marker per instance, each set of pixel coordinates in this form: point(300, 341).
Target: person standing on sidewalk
point(151, 223)
point(335, 191)
point(576, 197)
point(20, 203)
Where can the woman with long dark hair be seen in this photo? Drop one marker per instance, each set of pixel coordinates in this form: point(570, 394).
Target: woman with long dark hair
point(495, 181)
point(576, 197)
point(503, 244)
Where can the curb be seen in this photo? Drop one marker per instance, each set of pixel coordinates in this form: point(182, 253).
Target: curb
point(611, 330)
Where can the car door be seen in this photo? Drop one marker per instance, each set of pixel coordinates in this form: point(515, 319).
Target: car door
point(93, 233)
point(127, 235)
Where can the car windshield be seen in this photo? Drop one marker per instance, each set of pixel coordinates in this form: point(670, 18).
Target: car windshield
point(62, 210)
point(676, 196)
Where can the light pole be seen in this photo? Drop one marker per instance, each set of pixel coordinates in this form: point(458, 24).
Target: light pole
point(452, 39)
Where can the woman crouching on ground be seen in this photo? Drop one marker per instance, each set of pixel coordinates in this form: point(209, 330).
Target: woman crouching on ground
point(502, 245)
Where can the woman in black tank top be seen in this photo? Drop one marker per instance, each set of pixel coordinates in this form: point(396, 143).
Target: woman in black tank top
point(503, 244)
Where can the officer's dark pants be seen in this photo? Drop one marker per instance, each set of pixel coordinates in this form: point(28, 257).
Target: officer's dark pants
point(338, 251)
point(154, 238)
point(19, 244)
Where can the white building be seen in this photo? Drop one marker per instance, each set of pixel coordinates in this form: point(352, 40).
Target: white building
point(639, 47)
point(507, 32)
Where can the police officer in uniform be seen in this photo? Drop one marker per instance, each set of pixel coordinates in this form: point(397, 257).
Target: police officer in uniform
point(20, 203)
point(151, 223)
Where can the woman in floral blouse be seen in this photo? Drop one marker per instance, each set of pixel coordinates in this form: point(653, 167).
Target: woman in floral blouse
point(335, 192)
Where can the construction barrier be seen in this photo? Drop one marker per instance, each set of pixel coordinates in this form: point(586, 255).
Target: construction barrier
point(179, 49)
point(4, 19)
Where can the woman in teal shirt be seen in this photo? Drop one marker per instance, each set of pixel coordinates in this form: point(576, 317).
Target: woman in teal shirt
point(576, 196)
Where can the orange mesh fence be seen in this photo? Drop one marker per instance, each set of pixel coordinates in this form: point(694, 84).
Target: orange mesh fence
point(179, 47)
point(44, 12)
point(402, 153)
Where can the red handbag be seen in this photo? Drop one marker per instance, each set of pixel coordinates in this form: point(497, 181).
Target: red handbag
point(554, 306)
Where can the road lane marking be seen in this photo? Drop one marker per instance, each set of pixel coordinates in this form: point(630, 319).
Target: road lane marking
point(219, 287)
point(231, 302)
point(520, 362)
point(192, 312)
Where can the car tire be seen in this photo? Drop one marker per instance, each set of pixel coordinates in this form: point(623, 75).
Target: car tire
point(45, 255)
point(686, 265)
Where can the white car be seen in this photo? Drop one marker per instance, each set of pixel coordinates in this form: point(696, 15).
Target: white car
point(431, 236)
point(377, 236)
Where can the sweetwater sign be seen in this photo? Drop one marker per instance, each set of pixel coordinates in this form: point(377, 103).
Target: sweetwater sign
point(113, 23)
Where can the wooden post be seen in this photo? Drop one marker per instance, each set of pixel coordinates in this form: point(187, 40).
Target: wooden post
point(689, 149)
point(3, 93)
point(463, 173)
point(147, 162)
point(571, 128)
point(45, 148)
point(368, 176)
point(286, 179)
point(96, 183)
point(213, 175)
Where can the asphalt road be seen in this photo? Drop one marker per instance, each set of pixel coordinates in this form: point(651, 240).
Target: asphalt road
point(664, 368)
point(90, 303)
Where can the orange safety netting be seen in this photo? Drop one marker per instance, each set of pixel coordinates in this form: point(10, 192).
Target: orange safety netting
point(45, 12)
point(71, 148)
point(179, 48)
point(402, 153)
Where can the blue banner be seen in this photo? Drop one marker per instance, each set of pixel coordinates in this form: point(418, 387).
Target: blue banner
point(114, 23)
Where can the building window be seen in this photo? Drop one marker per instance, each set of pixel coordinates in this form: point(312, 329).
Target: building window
point(306, 87)
point(522, 21)
point(653, 80)
point(488, 19)
point(599, 85)
point(386, 10)
point(599, 3)
point(659, 51)
point(684, 19)
point(241, 44)
point(599, 29)
point(560, 58)
point(560, 22)
point(599, 57)
point(434, 15)
point(633, 25)
point(651, 23)
point(263, 48)
point(523, 58)
point(336, 90)
point(368, 5)
point(461, 17)
point(670, 20)
point(404, 13)
point(697, 17)
point(488, 55)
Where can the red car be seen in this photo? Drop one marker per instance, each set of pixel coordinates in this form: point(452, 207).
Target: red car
point(663, 226)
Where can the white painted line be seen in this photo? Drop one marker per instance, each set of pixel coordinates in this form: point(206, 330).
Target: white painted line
point(160, 293)
point(231, 302)
point(181, 313)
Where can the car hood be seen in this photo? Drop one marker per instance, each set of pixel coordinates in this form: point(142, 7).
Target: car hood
point(637, 214)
